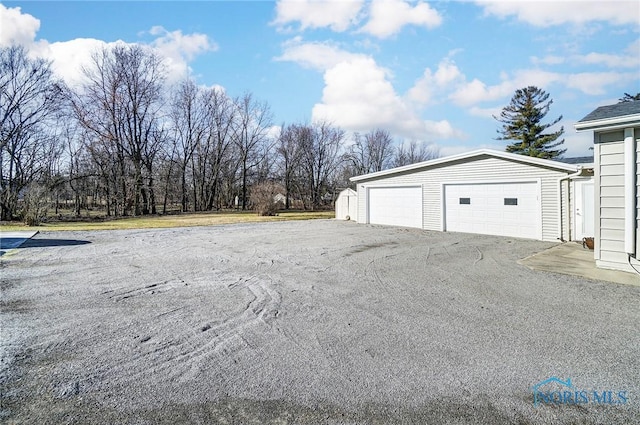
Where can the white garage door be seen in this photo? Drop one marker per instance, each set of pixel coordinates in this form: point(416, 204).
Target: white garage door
point(503, 209)
point(396, 206)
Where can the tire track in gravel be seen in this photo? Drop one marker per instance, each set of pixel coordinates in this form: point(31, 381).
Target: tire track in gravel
point(184, 356)
point(195, 349)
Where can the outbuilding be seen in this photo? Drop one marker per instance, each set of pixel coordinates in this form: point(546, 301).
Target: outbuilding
point(483, 191)
point(616, 137)
point(347, 205)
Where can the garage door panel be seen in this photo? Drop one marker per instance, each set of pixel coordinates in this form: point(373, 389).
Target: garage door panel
point(485, 212)
point(396, 206)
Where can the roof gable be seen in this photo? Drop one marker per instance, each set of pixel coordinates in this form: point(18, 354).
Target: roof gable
point(471, 156)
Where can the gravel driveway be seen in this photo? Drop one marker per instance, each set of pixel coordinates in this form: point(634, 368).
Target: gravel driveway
point(308, 322)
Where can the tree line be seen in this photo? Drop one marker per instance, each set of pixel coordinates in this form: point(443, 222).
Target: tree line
point(125, 142)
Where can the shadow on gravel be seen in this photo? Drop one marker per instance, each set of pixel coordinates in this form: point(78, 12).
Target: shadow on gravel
point(8, 243)
point(46, 243)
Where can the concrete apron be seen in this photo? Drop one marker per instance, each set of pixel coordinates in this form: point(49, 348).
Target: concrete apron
point(572, 259)
point(13, 240)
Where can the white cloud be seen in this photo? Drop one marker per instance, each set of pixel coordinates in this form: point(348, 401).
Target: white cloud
point(358, 97)
point(590, 83)
point(548, 13)
point(387, 17)
point(17, 27)
point(176, 50)
point(486, 112)
point(338, 15)
point(442, 129)
point(315, 55)
point(175, 44)
point(475, 91)
point(68, 57)
point(596, 83)
point(548, 60)
point(629, 58)
point(432, 83)
point(179, 49)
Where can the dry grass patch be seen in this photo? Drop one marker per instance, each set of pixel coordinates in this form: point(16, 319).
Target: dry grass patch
point(180, 220)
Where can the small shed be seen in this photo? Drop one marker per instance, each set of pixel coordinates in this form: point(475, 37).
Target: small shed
point(616, 137)
point(347, 205)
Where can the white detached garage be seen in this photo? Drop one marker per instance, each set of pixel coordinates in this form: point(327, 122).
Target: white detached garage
point(484, 191)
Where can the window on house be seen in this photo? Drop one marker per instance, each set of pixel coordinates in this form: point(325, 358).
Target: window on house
point(511, 201)
point(465, 201)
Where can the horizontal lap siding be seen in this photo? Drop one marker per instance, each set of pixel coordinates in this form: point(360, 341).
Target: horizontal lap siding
point(479, 170)
point(611, 202)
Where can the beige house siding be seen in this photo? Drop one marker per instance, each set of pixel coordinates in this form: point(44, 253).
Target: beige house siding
point(609, 198)
point(480, 169)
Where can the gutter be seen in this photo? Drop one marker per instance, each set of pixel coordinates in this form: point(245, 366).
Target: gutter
point(608, 123)
point(560, 180)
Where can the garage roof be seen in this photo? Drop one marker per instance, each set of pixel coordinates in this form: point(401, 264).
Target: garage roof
point(470, 156)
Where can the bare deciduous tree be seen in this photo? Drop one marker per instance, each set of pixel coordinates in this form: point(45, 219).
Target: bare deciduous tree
point(222, 116)
point(321, 145)
point(413, 153)
point(188, 119)
point(372, 152)
point(253, 122)
point(29, 99)
point(289, 152)
point(120, 103)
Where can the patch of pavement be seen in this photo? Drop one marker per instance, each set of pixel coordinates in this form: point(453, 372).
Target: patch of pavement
point(13, 240)
point(573, 259)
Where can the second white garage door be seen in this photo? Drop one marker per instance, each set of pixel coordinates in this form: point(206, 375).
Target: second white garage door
point(396, 206)
point(503, 209)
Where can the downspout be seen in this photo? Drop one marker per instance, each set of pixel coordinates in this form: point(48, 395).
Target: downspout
point(629, 193)
point(560, 180)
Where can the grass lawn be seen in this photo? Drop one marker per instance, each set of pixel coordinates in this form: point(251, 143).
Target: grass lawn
point(180, 220)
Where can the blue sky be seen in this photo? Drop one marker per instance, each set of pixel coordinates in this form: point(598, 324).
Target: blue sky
point(430, 71)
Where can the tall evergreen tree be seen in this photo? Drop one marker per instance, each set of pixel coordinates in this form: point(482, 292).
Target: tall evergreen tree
point(522, 121)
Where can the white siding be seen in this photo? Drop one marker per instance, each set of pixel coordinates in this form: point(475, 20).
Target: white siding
point(609, 163)
point(480, 169)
